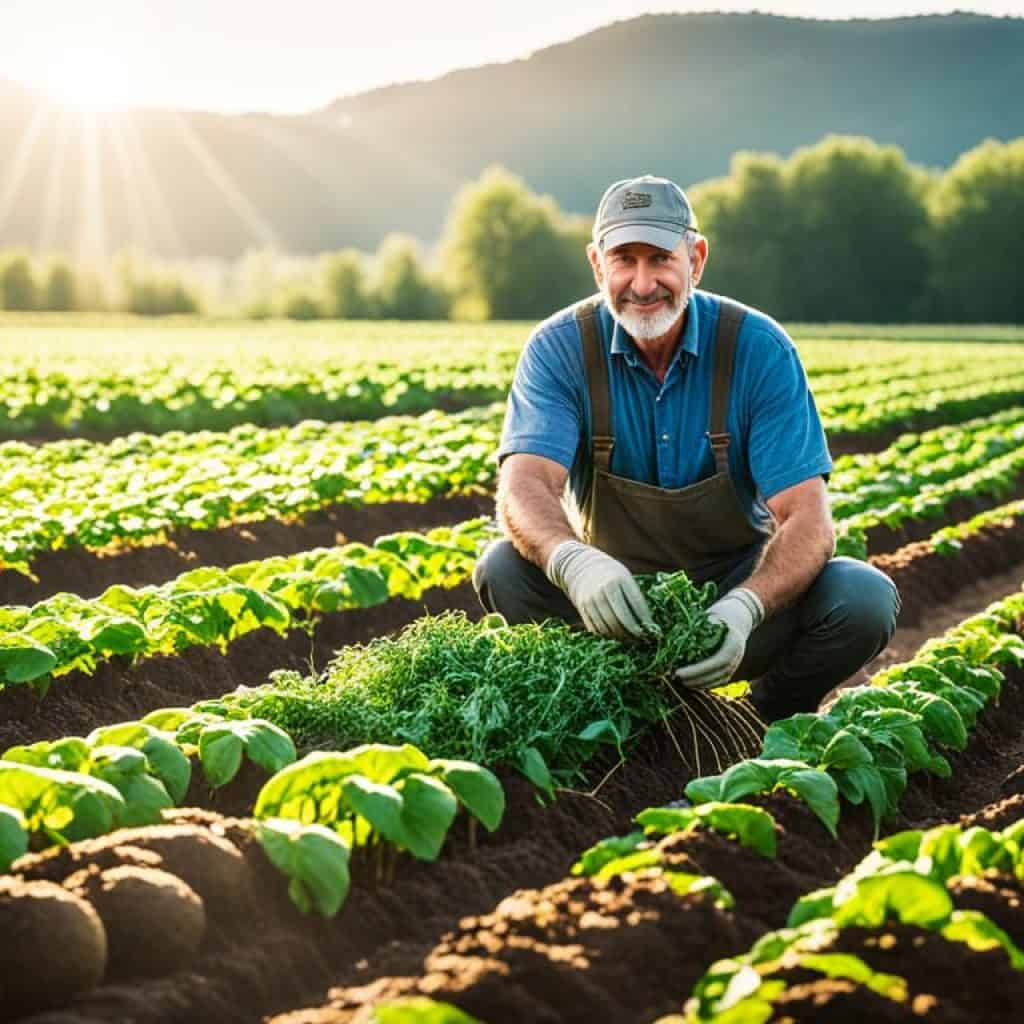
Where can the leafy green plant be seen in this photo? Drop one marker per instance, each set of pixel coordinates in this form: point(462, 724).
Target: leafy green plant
point(314, 858)
point(13, 836)
point(59, 805)
point(67, 633)
point(816, 788)
point(383, 799)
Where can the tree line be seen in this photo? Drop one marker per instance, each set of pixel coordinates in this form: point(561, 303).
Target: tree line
point(844, 230)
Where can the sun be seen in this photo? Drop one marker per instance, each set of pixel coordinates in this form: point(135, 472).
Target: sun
point(88, 80)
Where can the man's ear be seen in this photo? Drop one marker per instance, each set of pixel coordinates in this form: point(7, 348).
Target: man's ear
point(699, 259)
point(595, 264)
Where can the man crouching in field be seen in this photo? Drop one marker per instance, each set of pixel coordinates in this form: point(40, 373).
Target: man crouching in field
point(679, 427)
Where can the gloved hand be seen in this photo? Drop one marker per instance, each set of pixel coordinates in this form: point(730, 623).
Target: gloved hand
point(741, 611)
point(603, 590)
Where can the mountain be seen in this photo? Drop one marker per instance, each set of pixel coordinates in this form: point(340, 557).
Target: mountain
point(667, 94)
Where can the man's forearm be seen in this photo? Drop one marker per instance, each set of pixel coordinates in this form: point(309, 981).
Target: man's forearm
point(533, 518)
point(791, 561)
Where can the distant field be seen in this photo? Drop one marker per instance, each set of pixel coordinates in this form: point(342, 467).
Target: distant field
point(100, 376)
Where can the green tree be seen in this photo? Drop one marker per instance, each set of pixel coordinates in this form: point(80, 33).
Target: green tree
point(17, 284)
point(300, 304)
point(977, 211)
point(504, 251)
point(746, 220)
point(60, 293)
point(857, 245)
point(343, 276)
point(402, 289)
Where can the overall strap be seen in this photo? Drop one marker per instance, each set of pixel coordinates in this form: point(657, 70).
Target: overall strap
point(730, 316)
point(602, 440)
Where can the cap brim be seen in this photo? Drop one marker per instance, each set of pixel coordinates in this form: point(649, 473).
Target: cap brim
point(650, 234)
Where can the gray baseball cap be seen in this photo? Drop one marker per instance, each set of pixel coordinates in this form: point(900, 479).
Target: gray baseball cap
point(645, 209)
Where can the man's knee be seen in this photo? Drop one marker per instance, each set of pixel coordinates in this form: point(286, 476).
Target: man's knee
point(499, 563)
point(859, 600)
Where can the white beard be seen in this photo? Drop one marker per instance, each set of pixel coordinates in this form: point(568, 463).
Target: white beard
point(648, 326)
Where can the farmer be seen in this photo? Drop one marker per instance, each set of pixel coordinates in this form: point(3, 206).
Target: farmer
point(654, 427)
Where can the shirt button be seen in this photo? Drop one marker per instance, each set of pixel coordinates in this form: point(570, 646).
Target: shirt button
point(664, 437)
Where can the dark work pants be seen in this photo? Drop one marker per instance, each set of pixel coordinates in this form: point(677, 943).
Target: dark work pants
point(846, 617)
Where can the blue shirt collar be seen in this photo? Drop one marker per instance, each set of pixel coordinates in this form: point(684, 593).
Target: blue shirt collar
point(623, 345)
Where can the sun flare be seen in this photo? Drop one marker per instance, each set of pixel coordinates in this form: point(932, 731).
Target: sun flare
point(89, 80)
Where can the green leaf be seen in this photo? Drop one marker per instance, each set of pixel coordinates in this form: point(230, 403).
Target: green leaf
point(535, 768)
point(69, 754)
point(221, 745)
point(853, 968)
point(23, 659)
point(266, 744)
point(168, 719)
point(980, 933)
point(314, 858)
point(818, 790)
point(811, 906)
point(377, 803)
point(593, 859)
point(684, 883)
point(145, 799)
point(220, 753)
point(752, 826)
point(638, 860)
point(13, 836)
point(478, 789)
point(901, 845)
point(903, 895)
point(428, 810)
point(170, 765)
point(418, 1010)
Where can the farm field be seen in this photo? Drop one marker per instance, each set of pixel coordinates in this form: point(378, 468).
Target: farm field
point(262, 758)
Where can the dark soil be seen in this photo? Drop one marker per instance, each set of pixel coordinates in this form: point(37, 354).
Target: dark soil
point(925, 578)
point(883, 540)
point(88, 573)
point(454, 932)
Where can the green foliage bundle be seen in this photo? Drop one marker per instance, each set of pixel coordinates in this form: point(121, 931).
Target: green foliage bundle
point(525, 695)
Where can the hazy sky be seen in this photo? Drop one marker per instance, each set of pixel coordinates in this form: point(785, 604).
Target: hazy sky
point(297, 55)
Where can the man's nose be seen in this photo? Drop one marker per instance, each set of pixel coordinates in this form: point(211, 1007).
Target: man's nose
point(644, 282)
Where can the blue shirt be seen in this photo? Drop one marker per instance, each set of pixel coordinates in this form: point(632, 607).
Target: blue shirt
point(661, 428)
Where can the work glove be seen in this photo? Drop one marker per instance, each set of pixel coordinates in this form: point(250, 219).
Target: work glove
point(602, 589)
point(741, 612)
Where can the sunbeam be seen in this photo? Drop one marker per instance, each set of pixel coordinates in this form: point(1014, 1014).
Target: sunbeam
point(141, 225)
point(92, 236)
point(133, 151)
point(54, 187)
point(22, 155)
point(223, 182)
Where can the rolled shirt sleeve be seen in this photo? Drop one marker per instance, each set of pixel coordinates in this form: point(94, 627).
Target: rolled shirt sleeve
point(786, 442)
point(545, 413)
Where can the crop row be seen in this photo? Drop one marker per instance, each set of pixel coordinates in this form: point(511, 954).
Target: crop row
point(665, 877)
point(67, 633)
point(334, 818)
point(136, 489)
point(102, 387)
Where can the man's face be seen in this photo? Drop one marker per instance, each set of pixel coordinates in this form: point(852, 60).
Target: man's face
point(647, 289)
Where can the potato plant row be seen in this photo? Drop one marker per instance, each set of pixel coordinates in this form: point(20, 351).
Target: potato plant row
point(67, 633)
point(105, 384)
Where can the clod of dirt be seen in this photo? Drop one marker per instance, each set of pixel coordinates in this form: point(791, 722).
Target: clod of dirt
point(53, 947)
point(154, 922)
point(209, 864)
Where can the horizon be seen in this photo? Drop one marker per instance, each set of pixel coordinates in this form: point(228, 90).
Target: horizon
point(86, 62)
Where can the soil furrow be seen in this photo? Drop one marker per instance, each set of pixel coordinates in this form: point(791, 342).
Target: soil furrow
point(519, 957)
point(88, 573)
